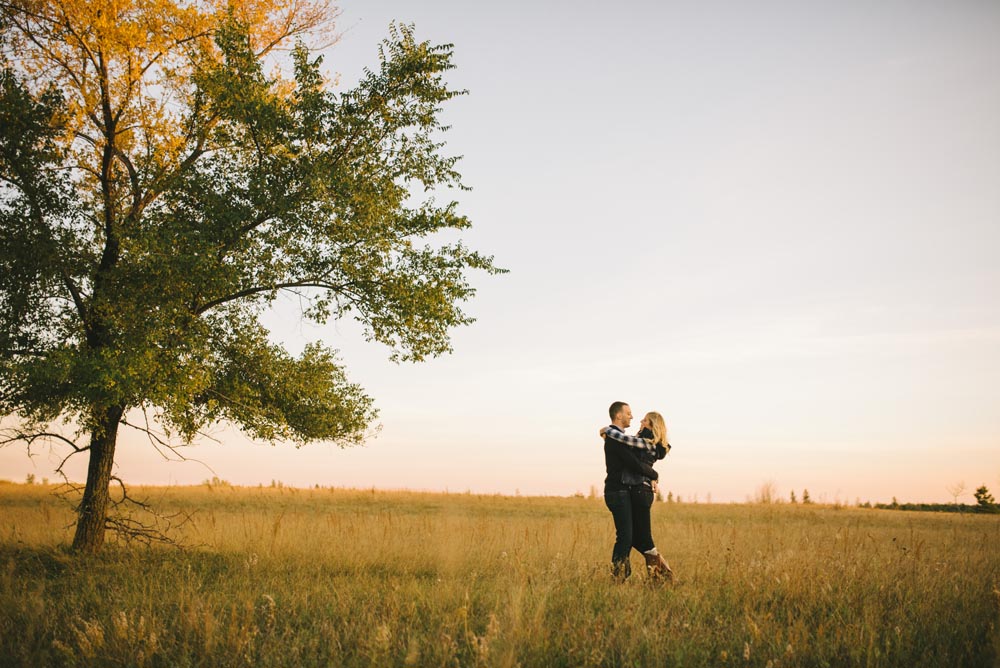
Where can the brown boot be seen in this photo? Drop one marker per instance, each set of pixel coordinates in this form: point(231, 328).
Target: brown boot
point(658, 568)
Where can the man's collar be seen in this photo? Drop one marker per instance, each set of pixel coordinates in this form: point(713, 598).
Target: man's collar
point(614, 426)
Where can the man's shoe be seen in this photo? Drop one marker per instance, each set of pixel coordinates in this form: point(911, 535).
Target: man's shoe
point(620, 570)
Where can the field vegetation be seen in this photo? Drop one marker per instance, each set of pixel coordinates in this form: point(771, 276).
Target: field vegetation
point(321, 577)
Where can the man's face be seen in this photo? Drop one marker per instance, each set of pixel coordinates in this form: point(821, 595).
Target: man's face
point(625, 416)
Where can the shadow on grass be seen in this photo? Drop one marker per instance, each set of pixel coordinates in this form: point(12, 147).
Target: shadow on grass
point(54, 563)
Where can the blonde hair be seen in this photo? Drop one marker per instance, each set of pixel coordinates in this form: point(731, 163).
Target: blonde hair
point(658, 426)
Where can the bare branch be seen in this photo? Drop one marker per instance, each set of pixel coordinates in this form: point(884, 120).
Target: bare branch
point(59, 469)
point(130, 529)
point(28, 438)
point(125, 497)
point(160, 443)
point(70, 492)
point(156, 529)
point(14, 435)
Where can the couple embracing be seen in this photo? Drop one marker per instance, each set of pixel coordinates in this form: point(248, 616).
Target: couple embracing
point(630, 486)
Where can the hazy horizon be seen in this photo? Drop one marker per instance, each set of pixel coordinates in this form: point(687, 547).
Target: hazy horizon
point(595, 492)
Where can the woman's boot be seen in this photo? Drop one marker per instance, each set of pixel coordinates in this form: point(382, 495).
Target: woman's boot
point(658, 568)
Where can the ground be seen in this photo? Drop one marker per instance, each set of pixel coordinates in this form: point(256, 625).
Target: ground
point(321, 577)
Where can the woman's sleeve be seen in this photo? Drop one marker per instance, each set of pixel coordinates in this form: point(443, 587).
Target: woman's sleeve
point(631, 462)
point(631, 441)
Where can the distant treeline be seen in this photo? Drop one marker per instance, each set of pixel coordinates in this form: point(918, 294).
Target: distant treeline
point(985, 503)
point(941, 507)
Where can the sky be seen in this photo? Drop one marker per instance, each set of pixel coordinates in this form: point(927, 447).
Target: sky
point(776, 223)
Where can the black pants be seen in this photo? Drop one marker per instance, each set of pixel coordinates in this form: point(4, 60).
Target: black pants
point(630, 509)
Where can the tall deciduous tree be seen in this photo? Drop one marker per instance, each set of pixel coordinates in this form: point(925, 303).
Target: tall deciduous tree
point(159, 189)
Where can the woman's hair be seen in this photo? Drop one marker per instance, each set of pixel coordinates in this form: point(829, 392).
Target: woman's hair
point(658, 426)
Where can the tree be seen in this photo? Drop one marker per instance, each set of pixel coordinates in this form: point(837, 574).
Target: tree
point(805, 496)
point(159, 191)
point(956, 490)
point(984, 498)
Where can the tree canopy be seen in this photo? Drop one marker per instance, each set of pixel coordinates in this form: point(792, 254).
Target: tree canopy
point(160, 187)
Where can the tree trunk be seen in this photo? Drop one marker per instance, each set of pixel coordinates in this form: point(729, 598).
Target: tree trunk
point(93, 510)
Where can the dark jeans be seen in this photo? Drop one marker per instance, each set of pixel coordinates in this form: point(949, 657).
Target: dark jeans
point(630, 510)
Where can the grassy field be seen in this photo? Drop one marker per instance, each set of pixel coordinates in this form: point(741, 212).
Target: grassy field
point(284, 577)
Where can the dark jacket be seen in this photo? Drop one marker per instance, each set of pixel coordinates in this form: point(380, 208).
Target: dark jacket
point(619, 458)
point(630, 477)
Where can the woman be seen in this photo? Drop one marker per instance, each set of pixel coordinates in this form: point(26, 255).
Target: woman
point(632, 492)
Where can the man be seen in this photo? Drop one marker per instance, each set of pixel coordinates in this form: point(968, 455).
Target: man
point(627, 497)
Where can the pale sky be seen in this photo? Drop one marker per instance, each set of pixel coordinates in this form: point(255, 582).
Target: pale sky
point(776, 223)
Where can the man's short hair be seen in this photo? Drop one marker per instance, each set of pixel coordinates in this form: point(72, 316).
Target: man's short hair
point(616, 408)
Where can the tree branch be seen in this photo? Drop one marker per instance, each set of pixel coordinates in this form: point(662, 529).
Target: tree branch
point(133, 177)
point(38, 217)
point(16, 435)
point(78, 301)
point(157, 186)
point(249, 292)
point(12, 11)
point(130, 528)
point(158, 442)
point(29, 438)
point(262, 218)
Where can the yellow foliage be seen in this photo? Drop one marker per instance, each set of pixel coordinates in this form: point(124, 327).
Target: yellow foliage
point(124, 67)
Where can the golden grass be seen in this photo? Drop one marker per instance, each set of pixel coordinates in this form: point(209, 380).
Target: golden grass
point(285, 577)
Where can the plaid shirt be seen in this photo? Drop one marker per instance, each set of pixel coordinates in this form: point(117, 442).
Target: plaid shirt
point(614, 433)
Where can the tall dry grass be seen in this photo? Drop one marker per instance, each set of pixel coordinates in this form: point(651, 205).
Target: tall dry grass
point(284, 577)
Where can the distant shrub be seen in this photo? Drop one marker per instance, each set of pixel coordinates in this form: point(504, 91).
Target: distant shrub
point(986, 500)
point(765, 493)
